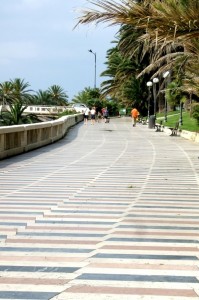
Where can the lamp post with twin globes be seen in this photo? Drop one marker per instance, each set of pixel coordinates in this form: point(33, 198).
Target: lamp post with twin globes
point(155, 81)
point(165, 75)
point(149, 84)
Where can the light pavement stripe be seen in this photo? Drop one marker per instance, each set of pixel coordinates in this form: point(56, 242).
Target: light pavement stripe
point(112, 208)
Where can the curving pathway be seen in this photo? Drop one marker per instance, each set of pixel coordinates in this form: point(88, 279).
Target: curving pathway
point(109, 212)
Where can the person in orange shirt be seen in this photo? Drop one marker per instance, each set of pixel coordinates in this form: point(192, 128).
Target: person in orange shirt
point(134, 115)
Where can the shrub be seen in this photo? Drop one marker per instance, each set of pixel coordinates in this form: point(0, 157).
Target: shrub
point(195, 112)
point(67, 113)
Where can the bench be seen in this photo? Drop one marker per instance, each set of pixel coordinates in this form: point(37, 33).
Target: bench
point(174, 130)
point(159, 127)
point(144, 121)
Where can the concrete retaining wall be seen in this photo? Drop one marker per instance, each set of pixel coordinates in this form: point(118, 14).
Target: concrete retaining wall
point(18, 139)
point(189, 135)
point(192, 136)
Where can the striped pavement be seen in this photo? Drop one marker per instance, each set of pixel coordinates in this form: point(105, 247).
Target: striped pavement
point(110, 212)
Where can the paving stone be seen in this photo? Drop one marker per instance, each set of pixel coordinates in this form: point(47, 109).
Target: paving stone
point(108, 212)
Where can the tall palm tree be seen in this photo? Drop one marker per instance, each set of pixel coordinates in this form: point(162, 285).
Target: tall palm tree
point(21, 91)
point(41, 98)
point(6, 90)
point(87, 94)
point(17, 95)
point(169, 29)
point(118, 70)
point(161, 19)
point(58, 95)
point(110, 86)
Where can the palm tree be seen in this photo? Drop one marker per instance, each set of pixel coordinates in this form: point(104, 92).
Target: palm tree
point(42, 98)
point(16, 94)
point(86, 96)
point(170, 19)
point(169, 29)
point(57, 95)
point(6, 91)
point(117, 69)
point(15, 115)
point(20, 91)
point(81, 97)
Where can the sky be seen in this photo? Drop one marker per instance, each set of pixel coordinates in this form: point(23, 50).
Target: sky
point(39, 44)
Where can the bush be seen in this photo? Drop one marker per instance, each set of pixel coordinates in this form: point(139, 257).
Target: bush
point(67, 113)
point(195, 112)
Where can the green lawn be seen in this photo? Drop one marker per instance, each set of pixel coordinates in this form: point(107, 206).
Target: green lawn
point(173, 117)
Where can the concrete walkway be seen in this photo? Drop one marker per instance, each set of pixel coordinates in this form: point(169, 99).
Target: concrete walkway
point(109, 212)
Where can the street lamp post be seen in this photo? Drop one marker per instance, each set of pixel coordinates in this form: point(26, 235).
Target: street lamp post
point(165, 75)
point(94, 53)
point(149, 84)
point(155, 81)
point(180, 120)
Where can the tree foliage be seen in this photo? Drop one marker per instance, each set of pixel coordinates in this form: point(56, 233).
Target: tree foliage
point(16, 95)
point(164, 32)
point(88, 96)
point(195, 112)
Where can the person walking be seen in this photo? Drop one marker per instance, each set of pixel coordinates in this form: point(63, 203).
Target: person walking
point(99, 116)
point(134, 115)
point(106, 115)
point(93, 113)
point(86, 115)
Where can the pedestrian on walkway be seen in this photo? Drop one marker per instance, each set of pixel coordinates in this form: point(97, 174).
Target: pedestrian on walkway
point(93, 113)
point(106, 115)
point(99, 116)
point(134, 114)
point(86, 115)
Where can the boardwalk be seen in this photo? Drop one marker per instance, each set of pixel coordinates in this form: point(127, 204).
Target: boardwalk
point(109, 212)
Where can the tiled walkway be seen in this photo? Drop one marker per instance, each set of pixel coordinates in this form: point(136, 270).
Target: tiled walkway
point(109, 212)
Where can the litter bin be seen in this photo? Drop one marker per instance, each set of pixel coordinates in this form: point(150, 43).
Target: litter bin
point(122, 112)
point(152, 121)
